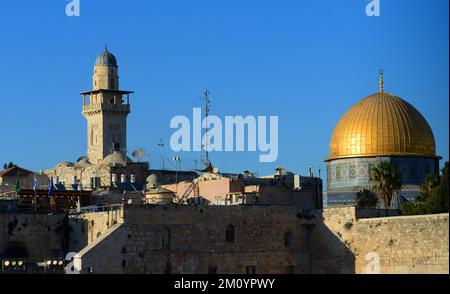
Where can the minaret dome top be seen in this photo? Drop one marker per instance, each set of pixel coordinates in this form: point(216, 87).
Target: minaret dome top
point(106, 58)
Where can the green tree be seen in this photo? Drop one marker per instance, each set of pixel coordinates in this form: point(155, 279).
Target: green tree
point(9, 165)
point(385, 179)
point(366, 199)
point(433, 199)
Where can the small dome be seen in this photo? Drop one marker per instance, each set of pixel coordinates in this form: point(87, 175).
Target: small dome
point(116, 158)
point(382, 125)
point(83, 162)
point(64, 164)
point(153, 181)
point(106, 58)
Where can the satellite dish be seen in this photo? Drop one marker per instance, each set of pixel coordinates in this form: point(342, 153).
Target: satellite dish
point(138, 153)
point(130, 201)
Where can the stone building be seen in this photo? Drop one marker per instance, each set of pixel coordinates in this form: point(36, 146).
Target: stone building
point(8, 178)
point(381, 127)
point(106, 108)
point(246, 188)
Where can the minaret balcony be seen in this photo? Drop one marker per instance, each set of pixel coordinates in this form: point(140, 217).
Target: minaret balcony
point(106, 107)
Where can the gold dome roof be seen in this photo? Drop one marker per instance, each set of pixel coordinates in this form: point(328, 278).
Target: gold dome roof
point(382, 125)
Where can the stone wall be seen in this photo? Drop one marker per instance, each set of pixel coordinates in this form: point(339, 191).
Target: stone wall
point(193, 239)
point(268, 239)
point(37, 237)
point(404, 244)
point(273, 239)
point(34, 237)
point(87, 227)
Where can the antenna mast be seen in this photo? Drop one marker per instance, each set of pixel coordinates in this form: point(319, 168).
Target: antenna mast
point(206, 93)
point(161, 145)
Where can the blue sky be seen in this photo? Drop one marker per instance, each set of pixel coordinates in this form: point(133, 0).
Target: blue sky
point(304, 61)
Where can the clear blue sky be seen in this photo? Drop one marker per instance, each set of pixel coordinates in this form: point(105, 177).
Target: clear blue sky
point(305, 61)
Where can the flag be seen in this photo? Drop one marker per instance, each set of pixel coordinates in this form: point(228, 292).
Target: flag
point(17, 183)
point(50, 186)
point(34, 183)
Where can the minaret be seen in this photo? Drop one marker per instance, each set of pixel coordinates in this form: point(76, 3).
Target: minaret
point(106, 110)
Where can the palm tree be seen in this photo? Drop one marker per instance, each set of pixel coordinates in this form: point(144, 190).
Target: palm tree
point(385, 179)
point(430, 181)
point(366, 199)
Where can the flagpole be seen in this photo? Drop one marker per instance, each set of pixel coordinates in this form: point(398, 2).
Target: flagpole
point(35, 192)
point(17, 183)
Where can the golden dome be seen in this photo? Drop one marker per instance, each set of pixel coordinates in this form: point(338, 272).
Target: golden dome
point(382, 125)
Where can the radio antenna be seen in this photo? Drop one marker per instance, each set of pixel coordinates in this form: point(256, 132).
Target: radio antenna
point(206, 97)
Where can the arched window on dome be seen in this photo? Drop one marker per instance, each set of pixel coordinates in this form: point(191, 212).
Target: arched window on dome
point(229, 234)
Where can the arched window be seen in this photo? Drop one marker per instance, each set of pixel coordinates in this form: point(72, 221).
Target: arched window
point(229, 236)
point(288, 239)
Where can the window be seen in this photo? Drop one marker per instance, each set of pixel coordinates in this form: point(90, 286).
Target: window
point(230, 234)
point(212, 270)
point(95, 182)
point(218, 200)
point(166, 239)
point(168, 269)
point(250, 269)
point(288, 239)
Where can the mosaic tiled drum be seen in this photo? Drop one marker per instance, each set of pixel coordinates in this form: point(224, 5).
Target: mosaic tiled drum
point(381, 127)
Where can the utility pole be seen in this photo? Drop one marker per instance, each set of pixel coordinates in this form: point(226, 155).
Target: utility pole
point(177, 162)
point(161, 145)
